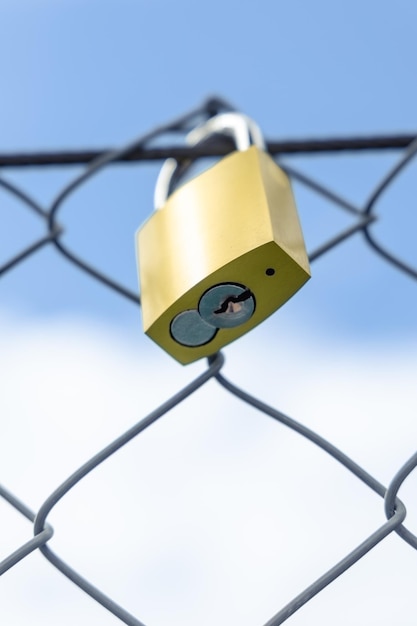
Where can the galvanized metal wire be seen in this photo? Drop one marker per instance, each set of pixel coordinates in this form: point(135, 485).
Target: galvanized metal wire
point(364, 217)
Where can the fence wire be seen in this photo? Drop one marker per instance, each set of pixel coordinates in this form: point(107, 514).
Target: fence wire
point(142, 149)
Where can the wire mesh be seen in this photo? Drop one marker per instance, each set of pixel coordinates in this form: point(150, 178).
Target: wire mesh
point(364, 218)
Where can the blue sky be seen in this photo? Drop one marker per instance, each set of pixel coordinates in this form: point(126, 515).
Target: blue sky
point(77, 371)
point(101, 73)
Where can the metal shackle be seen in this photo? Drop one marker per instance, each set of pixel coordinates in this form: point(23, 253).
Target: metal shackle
point(240, 127)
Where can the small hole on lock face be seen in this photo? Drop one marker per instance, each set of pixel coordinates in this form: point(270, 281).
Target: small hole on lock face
point(270, 271)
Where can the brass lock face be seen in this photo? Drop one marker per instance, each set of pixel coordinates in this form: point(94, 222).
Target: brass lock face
point(222, 254)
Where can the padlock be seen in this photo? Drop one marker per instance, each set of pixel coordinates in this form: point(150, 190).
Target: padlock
point(221, 252)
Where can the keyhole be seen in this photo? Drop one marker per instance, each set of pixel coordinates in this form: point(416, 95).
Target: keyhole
point(227, 305)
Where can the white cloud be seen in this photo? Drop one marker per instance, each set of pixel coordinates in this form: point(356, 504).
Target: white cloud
point(216, 513)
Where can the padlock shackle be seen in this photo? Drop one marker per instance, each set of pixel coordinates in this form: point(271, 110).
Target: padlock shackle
point(163, 182)
point(237, 125)
point(241, 127)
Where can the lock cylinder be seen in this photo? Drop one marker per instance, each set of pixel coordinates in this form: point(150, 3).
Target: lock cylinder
point(227, 305)
point(223, 306)
point(222, 253)
point(189, 329)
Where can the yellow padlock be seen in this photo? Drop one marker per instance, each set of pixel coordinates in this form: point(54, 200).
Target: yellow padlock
point(223, 251)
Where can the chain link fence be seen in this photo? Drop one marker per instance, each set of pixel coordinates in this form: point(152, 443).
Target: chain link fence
point(363, 220)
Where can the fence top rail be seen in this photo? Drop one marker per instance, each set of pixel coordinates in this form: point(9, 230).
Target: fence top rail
point(217, 148)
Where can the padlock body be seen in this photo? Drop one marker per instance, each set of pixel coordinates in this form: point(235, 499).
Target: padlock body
point(236, 223)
